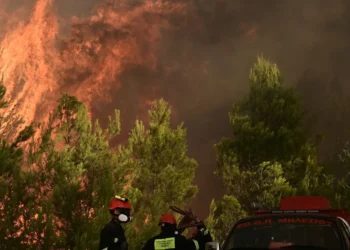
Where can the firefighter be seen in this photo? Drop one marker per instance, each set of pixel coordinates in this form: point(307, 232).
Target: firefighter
point(194, 233)
point(202, 235)
point(169, 238)
point(112, 236)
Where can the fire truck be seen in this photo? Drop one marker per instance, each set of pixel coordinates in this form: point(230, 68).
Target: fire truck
point(301, 222)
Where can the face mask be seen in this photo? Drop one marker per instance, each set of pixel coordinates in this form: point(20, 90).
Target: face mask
point(124, 218)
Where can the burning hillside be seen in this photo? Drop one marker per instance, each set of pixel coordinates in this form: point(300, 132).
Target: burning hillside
point(123, 55)
point(37, 63)
point(194, 53)
point(117, 38)
point(28, 60)
point(121, 41)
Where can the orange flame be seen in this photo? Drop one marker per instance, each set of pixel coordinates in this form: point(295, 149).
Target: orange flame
point(116, 38)
point(27, 60)
point(37, 64)
point(88, 62)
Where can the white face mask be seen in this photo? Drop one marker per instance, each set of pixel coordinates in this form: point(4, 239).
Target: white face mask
point(124, 218)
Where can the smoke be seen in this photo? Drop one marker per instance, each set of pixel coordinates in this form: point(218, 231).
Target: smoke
point(194, 53)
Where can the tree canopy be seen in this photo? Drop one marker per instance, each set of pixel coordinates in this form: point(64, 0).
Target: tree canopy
point(163, 172)
point(270, 154)
point(56, 178)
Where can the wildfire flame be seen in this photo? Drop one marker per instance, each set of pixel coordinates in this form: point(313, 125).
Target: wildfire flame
point(28, 60)
point(37, 64)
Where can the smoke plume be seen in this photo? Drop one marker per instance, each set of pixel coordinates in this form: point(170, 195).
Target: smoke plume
point(194, 53)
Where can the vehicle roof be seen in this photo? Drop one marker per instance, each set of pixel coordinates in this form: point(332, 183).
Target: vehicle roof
point(257, 217)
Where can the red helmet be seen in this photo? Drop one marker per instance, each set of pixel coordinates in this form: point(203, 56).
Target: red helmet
point(167, 218)
point(195, 232)
point(119, 202)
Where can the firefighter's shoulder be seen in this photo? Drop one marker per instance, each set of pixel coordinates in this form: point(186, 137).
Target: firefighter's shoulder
point(112, 227)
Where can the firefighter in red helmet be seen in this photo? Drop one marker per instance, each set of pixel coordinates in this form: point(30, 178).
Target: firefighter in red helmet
point(169, 237)
point(194, 233)
point(112, 236)
point(202, 235)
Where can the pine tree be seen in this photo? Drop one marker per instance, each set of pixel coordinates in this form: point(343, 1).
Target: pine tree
point(163, 172)
point(270, 154)
point(336, 187)
point(13, 191)
point(222, 215)
point(77, 173)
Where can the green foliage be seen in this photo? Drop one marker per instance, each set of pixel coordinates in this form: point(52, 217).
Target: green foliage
point(162, 172)
point(267, 125)
point(54, 188)
point(71, 174)
point(341, 188)
point(13, 191)
point(58, 190)
point(270, 155)
point(224, 214)
point(86, 172)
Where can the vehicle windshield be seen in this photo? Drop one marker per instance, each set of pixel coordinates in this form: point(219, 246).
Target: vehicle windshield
point(287, 232)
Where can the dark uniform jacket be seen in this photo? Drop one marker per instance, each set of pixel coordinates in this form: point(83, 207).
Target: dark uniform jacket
point(202, 238)
point(112, 237)
point(170, 240)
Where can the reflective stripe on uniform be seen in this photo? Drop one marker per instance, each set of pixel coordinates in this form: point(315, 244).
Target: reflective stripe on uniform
point(206, 232)
point(105, 248)
point(196, 244)
point(116, 240)
point(167, 243)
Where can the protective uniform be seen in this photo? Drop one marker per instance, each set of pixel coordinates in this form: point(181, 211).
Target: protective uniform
point(112, 236)
point(202, 236)
point(169, 238)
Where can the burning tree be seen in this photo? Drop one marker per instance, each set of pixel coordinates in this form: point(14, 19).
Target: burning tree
point(13, 189)
point(56, 196)
point(28, 60)
point(82, 172)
